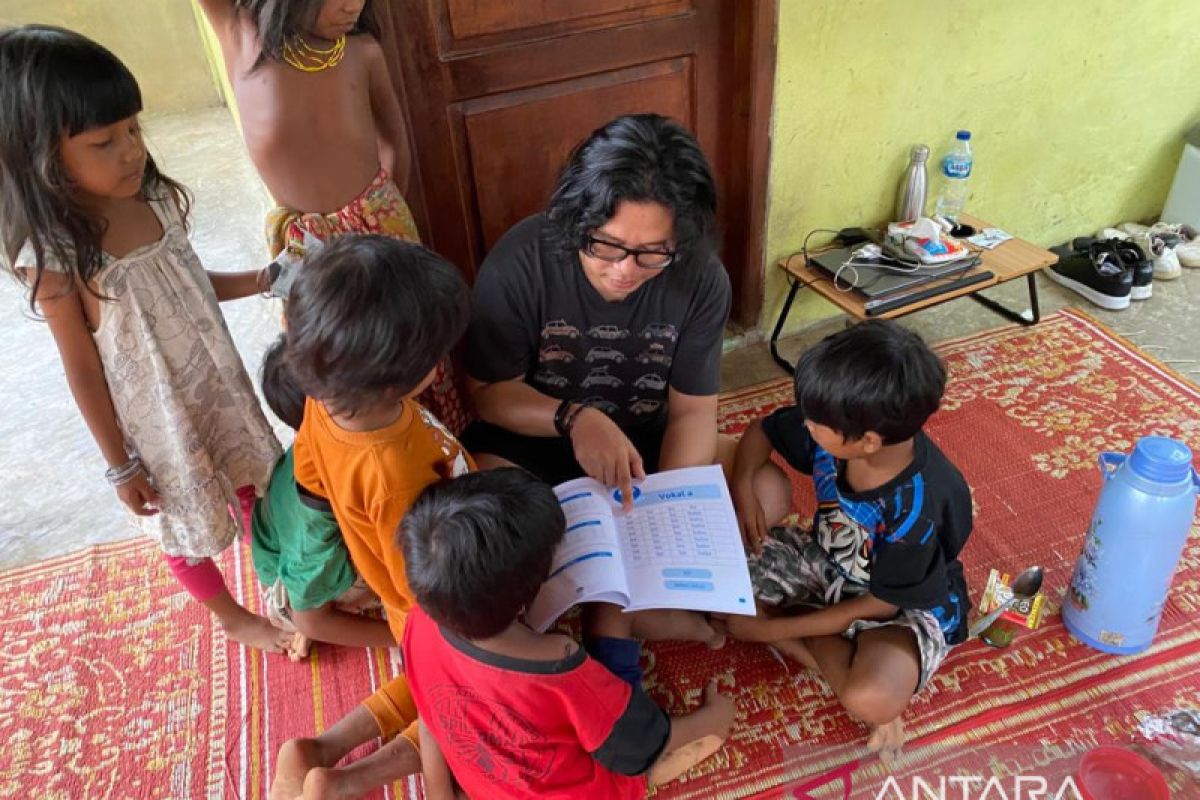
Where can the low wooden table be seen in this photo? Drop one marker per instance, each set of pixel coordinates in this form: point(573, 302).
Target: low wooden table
point(1013, 259)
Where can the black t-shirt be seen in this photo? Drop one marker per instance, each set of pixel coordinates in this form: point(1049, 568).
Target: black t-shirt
point(536, 316)
point(900, 541)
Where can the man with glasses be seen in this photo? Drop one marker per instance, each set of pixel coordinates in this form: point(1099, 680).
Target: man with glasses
point(595, 339)
point(621, 274)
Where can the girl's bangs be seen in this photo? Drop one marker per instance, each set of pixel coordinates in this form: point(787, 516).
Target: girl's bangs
point(96, 90)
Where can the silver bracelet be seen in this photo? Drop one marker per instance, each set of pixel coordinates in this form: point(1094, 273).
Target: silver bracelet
point(117, 476)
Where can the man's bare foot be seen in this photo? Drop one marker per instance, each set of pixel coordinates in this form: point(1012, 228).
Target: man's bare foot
point(795, 649)
point(299, 646)
point(720, 633)
point(257, 632)
point(297, 757)
point(887, 740)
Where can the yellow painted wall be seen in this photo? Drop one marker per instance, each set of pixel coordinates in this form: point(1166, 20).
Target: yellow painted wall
point(1077, 110)
point(157, 39)
point(216, 62)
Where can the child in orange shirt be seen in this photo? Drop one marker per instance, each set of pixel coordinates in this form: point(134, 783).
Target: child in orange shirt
point(369, 319)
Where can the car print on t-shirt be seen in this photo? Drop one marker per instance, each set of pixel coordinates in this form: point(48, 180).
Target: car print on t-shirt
point(555, 352)
point(640, 408)
point(599, 403)
point(660, 330)
point(654, 354)
point(548, 378)
point(600, 377)
point(622, 369)
point(608, 332)
point(604, 354)
point(559, 327)
point(651, 380)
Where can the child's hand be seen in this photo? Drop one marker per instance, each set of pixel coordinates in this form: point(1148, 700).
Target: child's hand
point(139, 495)
point(750, 629)
point(751, 518)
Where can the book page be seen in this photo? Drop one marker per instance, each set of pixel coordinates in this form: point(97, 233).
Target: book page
point(588, 564)
point(682, 546)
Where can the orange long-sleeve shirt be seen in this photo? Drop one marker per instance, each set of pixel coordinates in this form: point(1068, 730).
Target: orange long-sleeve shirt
point(371, 478)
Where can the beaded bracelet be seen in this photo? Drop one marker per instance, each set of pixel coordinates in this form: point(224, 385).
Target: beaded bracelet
point(118, 476)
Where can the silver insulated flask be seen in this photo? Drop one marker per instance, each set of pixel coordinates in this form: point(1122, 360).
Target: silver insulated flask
point(910, 201)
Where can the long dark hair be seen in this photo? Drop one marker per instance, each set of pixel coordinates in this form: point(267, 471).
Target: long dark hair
point(276, 20)
point(58, 83)
point(638, 157)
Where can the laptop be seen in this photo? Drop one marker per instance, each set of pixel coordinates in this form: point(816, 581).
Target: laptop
point(885, 277)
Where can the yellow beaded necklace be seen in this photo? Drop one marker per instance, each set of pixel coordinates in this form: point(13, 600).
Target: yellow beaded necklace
point(303, 56)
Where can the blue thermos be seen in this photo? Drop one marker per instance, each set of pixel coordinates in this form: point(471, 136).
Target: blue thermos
point(1133, 545)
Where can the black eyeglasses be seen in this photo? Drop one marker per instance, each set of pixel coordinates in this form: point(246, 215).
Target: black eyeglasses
point(646, 259)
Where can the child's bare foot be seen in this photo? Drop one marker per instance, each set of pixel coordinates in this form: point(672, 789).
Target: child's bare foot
point(257, 632)
point(298, 646)
point(795, 649)
point(887, 740)
point(297, 757)
point(395, 760)
point(670, 766)
point(243, 625)
point(673, 764)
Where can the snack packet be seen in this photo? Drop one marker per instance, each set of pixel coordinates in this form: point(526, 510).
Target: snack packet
point(1025, 613)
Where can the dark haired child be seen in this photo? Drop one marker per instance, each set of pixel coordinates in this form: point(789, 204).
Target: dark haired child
point(324, 128)
point(309, 585)
point(368, 321)
point(509, 712)
point(98, 235)
point(873, 597)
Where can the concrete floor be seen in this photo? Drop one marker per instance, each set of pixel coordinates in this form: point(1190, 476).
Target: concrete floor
point(55, 498)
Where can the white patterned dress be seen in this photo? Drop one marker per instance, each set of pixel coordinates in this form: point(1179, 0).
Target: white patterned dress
point(182, 397)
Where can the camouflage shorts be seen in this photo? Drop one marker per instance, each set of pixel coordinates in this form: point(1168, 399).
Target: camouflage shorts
point(793, 572)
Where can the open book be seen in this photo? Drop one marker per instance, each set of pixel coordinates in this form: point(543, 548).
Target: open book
point(679, 547)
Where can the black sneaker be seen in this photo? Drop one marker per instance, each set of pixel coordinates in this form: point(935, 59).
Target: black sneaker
point(1096, 273)
point(1133, 257)
point(1135, 260)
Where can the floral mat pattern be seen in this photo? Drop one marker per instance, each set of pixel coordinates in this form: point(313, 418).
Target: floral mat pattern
point(114, 685)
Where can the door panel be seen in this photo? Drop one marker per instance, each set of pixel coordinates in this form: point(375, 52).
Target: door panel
point(475, 18)
point(518, 172)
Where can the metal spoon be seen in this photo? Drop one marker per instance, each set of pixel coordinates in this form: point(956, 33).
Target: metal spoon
point(1027, 584)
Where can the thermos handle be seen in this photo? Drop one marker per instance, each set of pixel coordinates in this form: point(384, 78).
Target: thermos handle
point(1196, 480)
point(1109, 461)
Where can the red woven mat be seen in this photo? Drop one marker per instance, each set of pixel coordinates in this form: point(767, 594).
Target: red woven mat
point(113, 684)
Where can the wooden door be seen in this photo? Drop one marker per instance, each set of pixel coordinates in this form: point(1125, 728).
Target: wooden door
point(497, 92)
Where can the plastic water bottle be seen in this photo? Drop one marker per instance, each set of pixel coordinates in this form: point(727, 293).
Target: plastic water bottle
point(955, 167)
point(1133, 545)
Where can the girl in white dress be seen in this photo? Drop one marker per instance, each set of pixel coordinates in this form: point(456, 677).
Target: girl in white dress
point(98, 235)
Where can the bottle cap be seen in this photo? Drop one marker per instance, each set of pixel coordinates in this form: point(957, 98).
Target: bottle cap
point(1162, 460)
point(963, 136)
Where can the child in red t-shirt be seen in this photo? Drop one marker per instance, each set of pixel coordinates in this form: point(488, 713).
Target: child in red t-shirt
point(507, 712)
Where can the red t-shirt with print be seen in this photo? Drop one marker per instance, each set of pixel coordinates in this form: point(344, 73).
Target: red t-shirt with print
point(516, 728)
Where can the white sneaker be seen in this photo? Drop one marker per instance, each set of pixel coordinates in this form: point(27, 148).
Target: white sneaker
point(1166, 261)
point(1188, 254)
point(1133, 229)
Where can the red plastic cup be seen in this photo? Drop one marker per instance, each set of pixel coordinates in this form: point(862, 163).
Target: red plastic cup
point(1114, 773)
